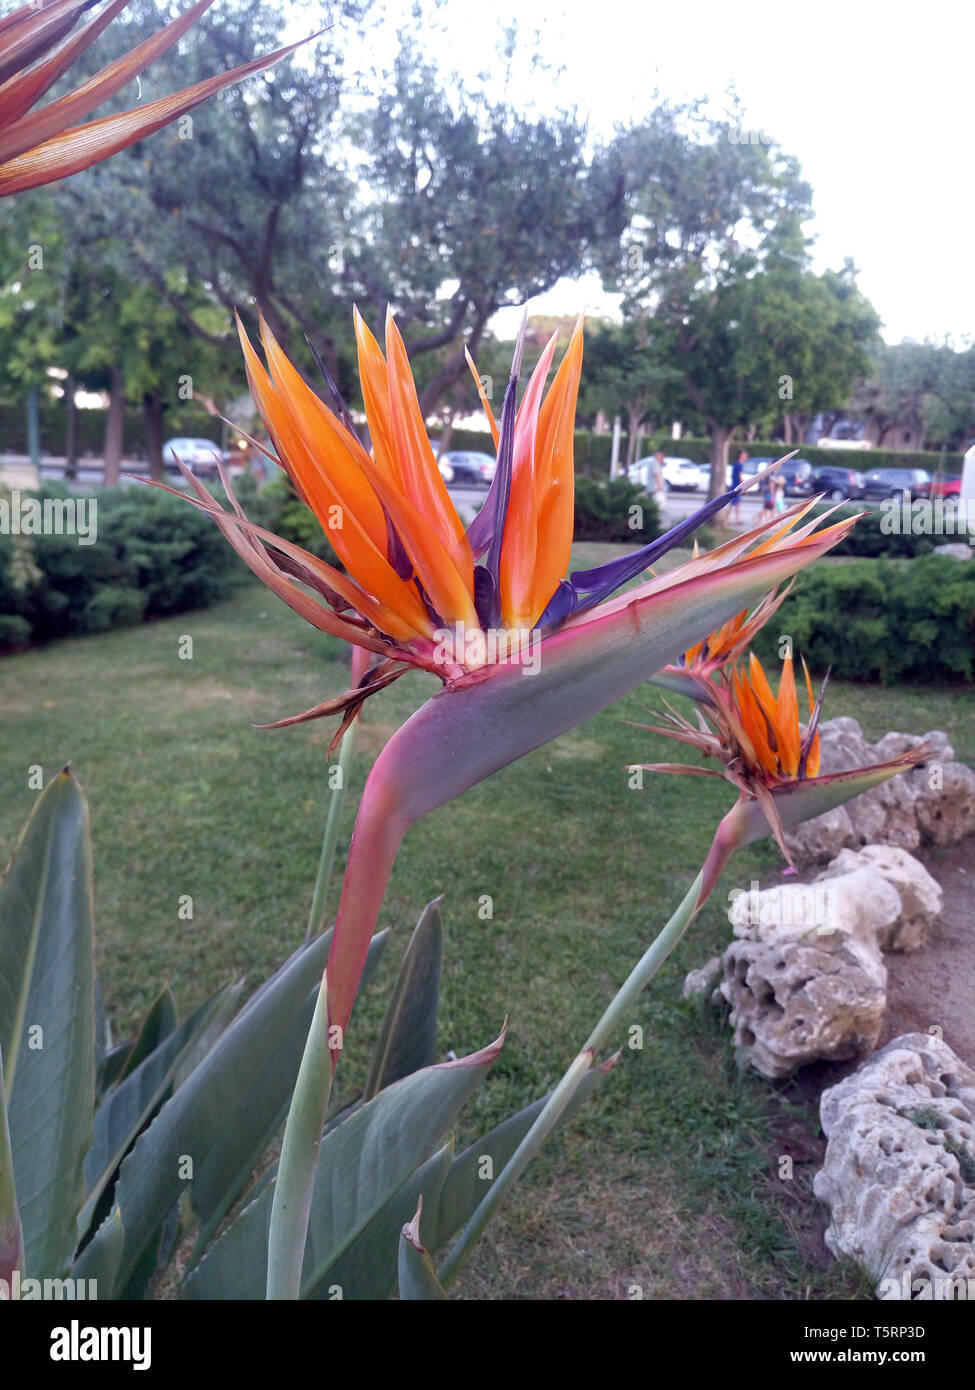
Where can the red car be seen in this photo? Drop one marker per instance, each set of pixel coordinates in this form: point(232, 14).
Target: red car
point(948, 486)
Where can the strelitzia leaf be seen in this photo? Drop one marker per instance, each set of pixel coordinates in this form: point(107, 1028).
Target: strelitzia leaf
point(452, 1189)
point(128, 1107)
point(47, 1020)
point(160, 1021)
point(252, 1068)
point(362, 1164)
point(102, 1256)
point(11, 1230)
point(408, 1037)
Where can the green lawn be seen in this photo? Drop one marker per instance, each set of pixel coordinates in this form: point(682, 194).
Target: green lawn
point(667, 1180)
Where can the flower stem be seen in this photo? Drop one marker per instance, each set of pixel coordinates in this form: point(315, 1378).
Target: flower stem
point(619, 1008)
point(326, 860)
point(295, 1184)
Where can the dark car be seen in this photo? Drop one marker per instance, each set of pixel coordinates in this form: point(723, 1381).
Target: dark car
point(796, 472)
point(881, 483)
point(468, 467)
point(838, 483)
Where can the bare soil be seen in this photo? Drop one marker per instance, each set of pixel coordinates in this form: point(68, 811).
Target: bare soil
point(935, 987)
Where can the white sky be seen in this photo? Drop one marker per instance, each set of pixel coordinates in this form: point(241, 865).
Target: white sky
point(876, 100)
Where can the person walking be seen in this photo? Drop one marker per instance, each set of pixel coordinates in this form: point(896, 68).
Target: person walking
point(659, 483)
point(737, 474)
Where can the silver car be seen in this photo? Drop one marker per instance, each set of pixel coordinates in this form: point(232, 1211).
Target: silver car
point(202, 455)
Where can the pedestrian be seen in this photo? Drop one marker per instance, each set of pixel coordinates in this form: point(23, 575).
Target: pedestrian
point(737, 474)
point(779, 485)
point(659, 482)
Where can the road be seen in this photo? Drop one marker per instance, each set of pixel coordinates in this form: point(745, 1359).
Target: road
point(466, 499)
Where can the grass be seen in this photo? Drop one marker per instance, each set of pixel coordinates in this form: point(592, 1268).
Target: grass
point(667, 1181)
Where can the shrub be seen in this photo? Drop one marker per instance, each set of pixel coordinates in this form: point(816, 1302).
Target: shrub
point(868, 540)
point(605, 512)
point(153, 556)
point(909, 621)
point(278, 508)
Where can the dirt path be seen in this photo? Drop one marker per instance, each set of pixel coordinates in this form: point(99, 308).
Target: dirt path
point(935, 987)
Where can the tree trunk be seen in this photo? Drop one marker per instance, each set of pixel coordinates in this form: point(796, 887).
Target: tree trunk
point(152, 415)
point(720, 438)
point(787, 429)
point(453, 369)
point(70, 430)
point(634, 421)
point(114, 427)
point(447, 434)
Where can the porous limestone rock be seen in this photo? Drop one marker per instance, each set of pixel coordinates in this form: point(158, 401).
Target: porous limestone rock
point(944, 804)
point(822, 837)
point(936, 801)
point(885, 813)
point(842, 745)
point(920, 895)
point(805, 978)
point(860, 901)
point(893, 744)
point(899, 1170)
point(703, 980)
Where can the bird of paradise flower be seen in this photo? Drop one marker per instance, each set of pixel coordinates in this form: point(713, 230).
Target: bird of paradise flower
point(765, 751)
point(37, 47)
point(417, 586)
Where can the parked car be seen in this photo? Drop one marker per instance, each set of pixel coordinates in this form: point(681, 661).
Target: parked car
point(202, 455)
point(947, 486)
point(680, 474)
point(894, 482)
point(798, 475)
point(467, 467)
point(837, 483)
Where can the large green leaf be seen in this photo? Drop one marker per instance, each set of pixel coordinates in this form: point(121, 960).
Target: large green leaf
point(408, 1038)
point(102, 1256)
point(366, 1270)
point(47, 1020)
point(362, 1164)
point(129, 1105)
point(206, 1138)
point(451, 1189)
point(11, 1231)
point(160, 1020)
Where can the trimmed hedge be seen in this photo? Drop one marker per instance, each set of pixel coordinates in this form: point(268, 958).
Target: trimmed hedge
point(186, 418)
point(912, 621)
point(153, 556)
point(862, 460)
point(593, 452)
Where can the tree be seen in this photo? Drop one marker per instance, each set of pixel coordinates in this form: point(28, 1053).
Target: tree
point(702, 210)
point(771, 342)
point(629, 373)
point(916, 394)
point(470, 207)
